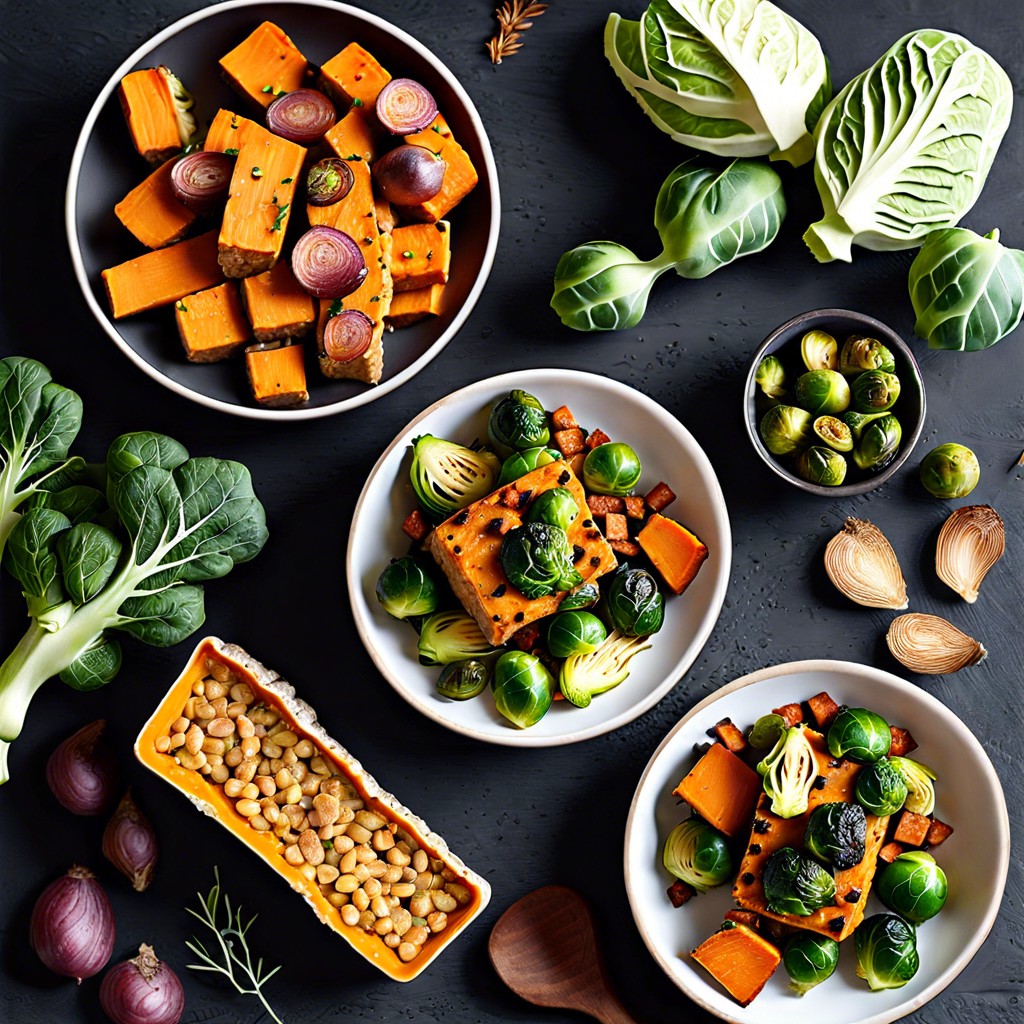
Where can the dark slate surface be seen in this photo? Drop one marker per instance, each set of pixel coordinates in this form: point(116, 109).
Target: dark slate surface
point(577, 161)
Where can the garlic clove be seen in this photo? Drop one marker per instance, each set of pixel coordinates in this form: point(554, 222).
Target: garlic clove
point(970, 542)
point(930, 645)
point(863, 566)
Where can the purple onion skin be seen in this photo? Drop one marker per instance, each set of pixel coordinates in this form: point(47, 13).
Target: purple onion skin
point(304, 116)
point(404, 106)
point(201, 180)
point(81, 772)
point(328, 263)
point(129, 843)
point(347, 335)
point(408, 175)
point(72, 926)
point(142, 991)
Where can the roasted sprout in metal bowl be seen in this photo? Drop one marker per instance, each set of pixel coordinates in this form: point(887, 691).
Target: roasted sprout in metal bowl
point(537, 559)
point(575, 632)
point(786, 428)
point(523, 688)
point(770, 377)
point(634, 603)
point(878, 444)
point(837, 833)
point(860, 353)
point(463, 680)
point(556, 507)
point(858, 422)
point(405, 590)
point(697, 854)
point(832, 432)
point(822, 466)
point(612, 468)
point(520, 463)
point(796, 884)
point(914, 886)
point(874, 391)
point(819, 351)
point(823, 392)
point(950, 471)
point(446, 476)
point(860, 735)
point(881, 788)
point(809, 960)
point(887, 954)
point(518, 422)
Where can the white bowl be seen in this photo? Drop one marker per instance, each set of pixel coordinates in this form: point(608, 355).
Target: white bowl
point(105, 166)
point(975, 858)
point(667, 451)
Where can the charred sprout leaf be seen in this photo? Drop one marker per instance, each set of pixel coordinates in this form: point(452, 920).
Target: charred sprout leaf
point(575, 632)
point(556, 507)
point(447, 476)
point(914, 886)
point(795, 884)
point(584, 596)
point(920, 784)
point(537, 559)
point(860, 353)
point(823, 392)
point(635, 605)
point(834, 433)
point(520, 463)
point(770, 377)
point(809, 960)
point(819, 351)
point(950, 471)
point(881, 788)
point(518, 422)
point(822, 466)
point(463, 680)
point(583, 676)
point(875, 391)
point(788, 772)
point(523, 688)
point(405, 590)
point(785, 429)
point(612, 468)
point(451, 636)
point(887, 954)
point(697, 854)
point(837, 833)
point(859, 735)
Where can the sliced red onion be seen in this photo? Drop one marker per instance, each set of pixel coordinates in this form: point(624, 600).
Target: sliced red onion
point(328, 263)
point(329, 180)
point(347, 335)
point(303, 115)
point(408, 175)
point(405, 106)
point(201, 180)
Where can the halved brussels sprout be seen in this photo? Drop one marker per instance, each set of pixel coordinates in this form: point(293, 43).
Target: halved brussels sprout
point(823, 392)
point(697, 854)
point(859, 735)
point(837, 834)
point(575, 632)
point(796, 884)
point(463, 680)
point(447, 476)
point(875, 391)
point(887, 954)
point(823, 466)
point(612, 468)
point(451, 636)
point(405, 590)
point(635, 605)
point(523, 688)
point(766, 731)
point(950, 471)
point(770, 376)
point(556, 507)
point(860, 353)
point(586, 595)
point(878, 444)
point(834, 433)
point(520, 463)
point(881, 788)
point(518, 422)
point(537, 559)
point(819, 351)
point(914, 886)
point(785, 428)
point(789, 771)
point(583, 676)
point(858, 421)
point(809, 960)
point(920, 784)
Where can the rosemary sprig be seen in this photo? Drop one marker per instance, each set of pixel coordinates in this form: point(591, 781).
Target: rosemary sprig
point(226, 937)
point(514, 18)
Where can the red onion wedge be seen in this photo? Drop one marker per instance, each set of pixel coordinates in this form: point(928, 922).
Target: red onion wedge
point(201, 180)
point(405, 106)
point(142, 990)
point(328, 263)
point(304, 116)
point(408, 175)
point(347, 335)
point(329, 180)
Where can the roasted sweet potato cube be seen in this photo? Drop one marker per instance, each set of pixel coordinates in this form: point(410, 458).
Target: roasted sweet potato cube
point(569, 442)
point(679, 893)
point(460, 176)
point(277, 305)
point(415, 526)
point(791, 714)
point(823, 709)
point(354, 137)
point(151, 211)
point(147, 100)
point(420, 255)
point(731, 735)
point(408, 308)
point(212, 324)
point(890, 852)
point(938, 832)
point(674, 551)
point(659, 497)
point(912, 829)
point(902, 742)
point(596, 438)
point(265, 64)
point(634, 507)
point(722, 789)
point(563, 419)
point(615, 526)
point(277, 374)
point(739, 960)
point(354, 76)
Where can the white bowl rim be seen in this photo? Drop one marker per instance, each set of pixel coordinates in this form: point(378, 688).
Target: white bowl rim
point(524, 379)
point(1001, 827)
point(257, 412)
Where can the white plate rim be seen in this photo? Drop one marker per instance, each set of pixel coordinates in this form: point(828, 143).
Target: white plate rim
point(524, 379)
point(1002, 833)
point(372, 393)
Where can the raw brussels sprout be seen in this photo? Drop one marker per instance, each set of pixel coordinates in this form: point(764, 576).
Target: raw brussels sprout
point(819, 351)
point(859, 735)
point(766, 731)
point(833, 433)
point(859, 421)
point(523, 688)
point(462, 680)
point(583, 676)
point(788, 772)
point(575, 632)
point(950, 471)
point(785, 428)
point(537, 560)
point(914, 886)
point(886, 951)
point(796, 884)
point(809, 960)
point(822, 466)
point(612, 468)
point(920, 784)
point(878, 444)
point(770, 376)
point(697, 854)
point(875, 391)
point(405, 590)
point(881, 788)
point(837, 833)
point(635, 605)
point(860, 353)
point(823, 392)
point(584, 596)
point(520, 463)
point(446, 476)
point(518, 422)
point(556, 507)
point(451, 636)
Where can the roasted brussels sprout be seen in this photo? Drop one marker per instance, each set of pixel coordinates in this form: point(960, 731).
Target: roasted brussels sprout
point(697, 854)
point(881, 788)
point(583, 676)
point(819, 351)
point(446, 476)
point(834, 433)
point(809, 960)
point(878, 444)
point(950, 471)
point(612, 468)
point(770, 376)
point(860, 735)
point(785, 428)
point(823, 392)
point(766, 731)
point(523, 688)
point(520, 463)
point(860, 353)
point(635, 605)
point(920, 784)
point(463, 680)
point(537, 560)
point(575, 632)
point(874, 391)
point(405, 590)
point(789, 771)
point(556, 507)
point(886, 951)
point(837, 833)
point(586, 595)
point(451, 636)
point(518, 422)
point(914, 886)
point(858, 421)
point(823, 466)
point(796, 884)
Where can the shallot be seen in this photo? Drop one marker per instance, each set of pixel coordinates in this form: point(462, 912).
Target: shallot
point(81, 771)
point(129, 843)
point(142, 990)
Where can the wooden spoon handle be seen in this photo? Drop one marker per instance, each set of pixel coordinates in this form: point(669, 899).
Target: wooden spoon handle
point(609, 1010)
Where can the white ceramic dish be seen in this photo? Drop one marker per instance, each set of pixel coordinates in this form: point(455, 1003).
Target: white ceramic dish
point(105, 166)
point(969, 797)
point(667, 451)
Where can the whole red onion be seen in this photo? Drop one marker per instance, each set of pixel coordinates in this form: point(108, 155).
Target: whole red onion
point(129, 843)
point(81, 771)
point(142, 991)
point(72, 926)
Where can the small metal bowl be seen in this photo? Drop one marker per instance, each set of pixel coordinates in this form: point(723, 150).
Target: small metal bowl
point(841, 323)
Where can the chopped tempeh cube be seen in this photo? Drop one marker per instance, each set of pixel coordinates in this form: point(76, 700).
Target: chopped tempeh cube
point(912, 829)
point(277, 305)
point(634, 507)
point(526, 638)
point(147, 99)
point(415, 526)
point(420, 255)
point(938, 832)
point(265, 64)
point(660, 497)
point(460, 176)
point(212, 323)
point(679, 893)
point(601, 504)
point(354, 76)
point(890, 852)
point(596, 438)
point(151, 211)
point(750, 918)
point(791, 714)
point(616, 527)
point(409, 307)
point(902, 742)
point(569, 442)
point(277, 374)
point(563, 419)
point(823, 708)
point(731, 736)
point(626, 548)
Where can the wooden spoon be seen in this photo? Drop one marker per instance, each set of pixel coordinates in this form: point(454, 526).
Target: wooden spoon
point(544, 948)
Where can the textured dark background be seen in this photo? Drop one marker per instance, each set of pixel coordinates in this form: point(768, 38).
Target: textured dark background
point(577, 161)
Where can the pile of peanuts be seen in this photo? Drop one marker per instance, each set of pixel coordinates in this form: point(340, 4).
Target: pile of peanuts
point(368, 867)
